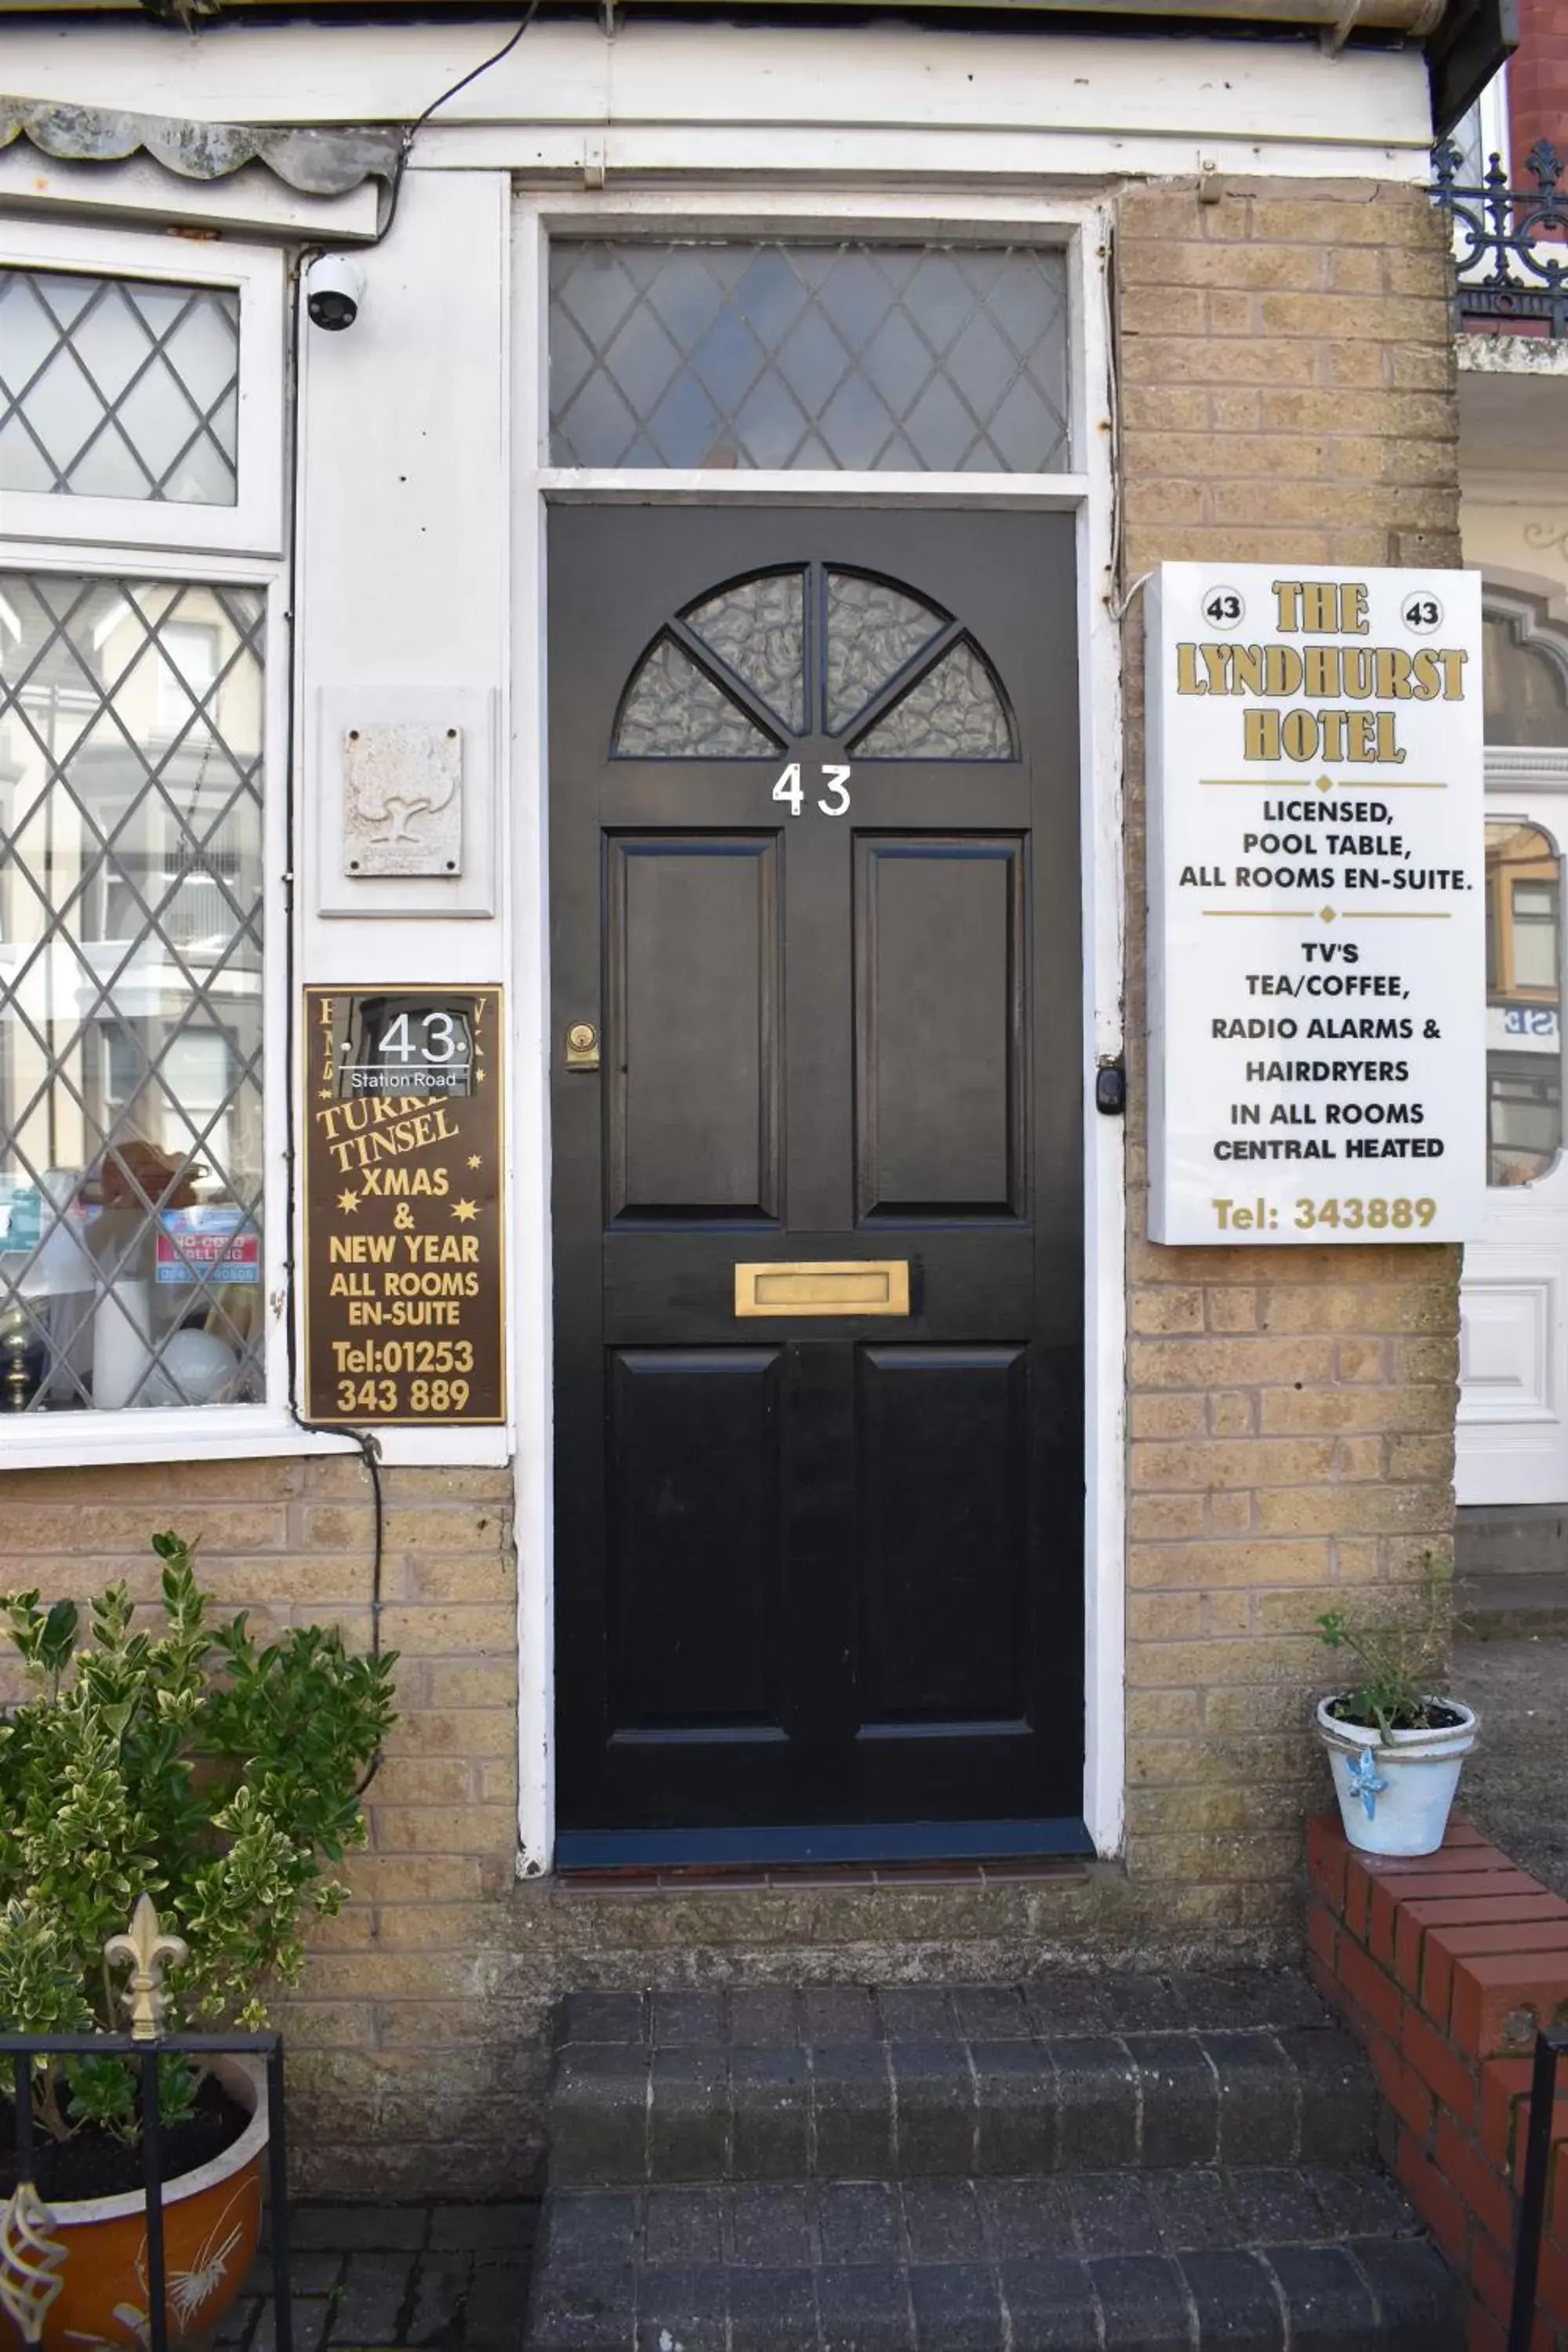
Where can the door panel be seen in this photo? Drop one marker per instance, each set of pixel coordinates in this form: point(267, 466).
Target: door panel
point(694, 1440)
point(803, 1578)
point(944, 1476)
point(692, 949)
point(941, 1029)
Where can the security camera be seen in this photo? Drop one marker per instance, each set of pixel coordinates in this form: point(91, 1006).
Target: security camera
point(334, 287)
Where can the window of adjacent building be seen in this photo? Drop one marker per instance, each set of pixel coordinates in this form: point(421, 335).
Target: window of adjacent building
point(1524, 965)
point(1526, 689)
point(855, 355)
point(1525, 677)
point(187, 671)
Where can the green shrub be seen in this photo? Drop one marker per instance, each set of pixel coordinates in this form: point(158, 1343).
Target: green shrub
point(186, 1764)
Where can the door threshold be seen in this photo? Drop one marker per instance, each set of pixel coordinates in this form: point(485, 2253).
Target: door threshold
point(857, 1845)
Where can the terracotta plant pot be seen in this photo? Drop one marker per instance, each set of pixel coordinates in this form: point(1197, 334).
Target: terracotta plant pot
point(212, 2220)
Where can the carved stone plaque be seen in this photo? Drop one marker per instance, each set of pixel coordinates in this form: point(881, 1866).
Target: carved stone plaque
point(403, 799)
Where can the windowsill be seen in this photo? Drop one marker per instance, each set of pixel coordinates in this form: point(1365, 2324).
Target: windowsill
point(80, 1441)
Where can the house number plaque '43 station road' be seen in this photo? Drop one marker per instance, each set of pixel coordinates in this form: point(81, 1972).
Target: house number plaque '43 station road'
point(1317, 906)
point(403, 1220)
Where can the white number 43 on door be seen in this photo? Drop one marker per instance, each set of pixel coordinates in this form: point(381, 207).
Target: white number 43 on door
point(790, 788)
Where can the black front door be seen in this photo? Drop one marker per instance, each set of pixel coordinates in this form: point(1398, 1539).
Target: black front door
point(815, 891)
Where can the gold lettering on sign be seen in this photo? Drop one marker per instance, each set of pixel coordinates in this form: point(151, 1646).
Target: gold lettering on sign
point(1332, 676)
point(404, 1280)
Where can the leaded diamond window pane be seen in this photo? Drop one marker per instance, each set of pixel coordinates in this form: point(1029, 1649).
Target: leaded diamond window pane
point(130, 1004)
point(118, 388)
point(853, 356)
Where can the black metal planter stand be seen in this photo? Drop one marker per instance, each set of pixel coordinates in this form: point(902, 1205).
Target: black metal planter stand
point(1550, 2046)
point(24, 2048)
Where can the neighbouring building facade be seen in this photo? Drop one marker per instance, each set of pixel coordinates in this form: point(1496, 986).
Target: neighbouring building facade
point(575, 873)
point(1513, 1467)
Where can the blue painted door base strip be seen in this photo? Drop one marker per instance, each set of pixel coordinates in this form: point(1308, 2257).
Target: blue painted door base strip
point(866, 1842)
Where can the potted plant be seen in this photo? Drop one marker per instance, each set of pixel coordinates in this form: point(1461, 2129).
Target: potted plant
point(1396, 1739)
point(183, 1763)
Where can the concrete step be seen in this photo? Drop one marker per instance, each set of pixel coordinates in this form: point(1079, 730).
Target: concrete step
point(1510, 1539)
point(1502, 1603)
point(983, 2081)
point(1255, 2260)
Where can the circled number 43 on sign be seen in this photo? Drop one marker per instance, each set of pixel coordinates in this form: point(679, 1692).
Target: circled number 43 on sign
point(835, 802)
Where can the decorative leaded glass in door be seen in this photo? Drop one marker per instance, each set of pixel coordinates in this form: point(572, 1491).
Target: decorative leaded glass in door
point(858, 357)
point(130, 1003)
point(814, 649)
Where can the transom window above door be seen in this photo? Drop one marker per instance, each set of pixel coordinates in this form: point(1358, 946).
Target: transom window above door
point(814, 650)
point(852, 356)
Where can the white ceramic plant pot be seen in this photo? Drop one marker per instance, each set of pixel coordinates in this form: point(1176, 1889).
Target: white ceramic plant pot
point(1395, 1795)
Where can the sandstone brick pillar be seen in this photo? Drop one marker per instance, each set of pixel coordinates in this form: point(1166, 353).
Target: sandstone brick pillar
point(1287, 397)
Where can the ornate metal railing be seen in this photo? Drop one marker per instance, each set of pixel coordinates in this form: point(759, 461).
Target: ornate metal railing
point(34, 2258)
point(1550, 2046)
point(1509, 254)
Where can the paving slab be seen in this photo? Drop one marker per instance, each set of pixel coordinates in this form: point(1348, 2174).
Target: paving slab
point(446, 2278)
point(1515, 1786)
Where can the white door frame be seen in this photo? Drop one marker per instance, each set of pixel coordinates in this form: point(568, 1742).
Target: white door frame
point(1082, 230)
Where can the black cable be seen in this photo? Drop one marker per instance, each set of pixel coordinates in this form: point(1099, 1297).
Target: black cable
point(365, 1439)
point(528, 14)
point(411, 130)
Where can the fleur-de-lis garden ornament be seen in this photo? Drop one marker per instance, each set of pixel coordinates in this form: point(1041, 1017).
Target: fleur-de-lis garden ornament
point(31, 2262)
point(1366, 1780)
point(149, 1952)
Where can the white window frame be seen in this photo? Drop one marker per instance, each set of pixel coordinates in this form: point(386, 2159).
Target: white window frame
point(238, 546)
point(1082, 230)
point(254, 525)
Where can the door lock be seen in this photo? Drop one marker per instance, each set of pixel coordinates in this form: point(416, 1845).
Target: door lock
point(581, 1046)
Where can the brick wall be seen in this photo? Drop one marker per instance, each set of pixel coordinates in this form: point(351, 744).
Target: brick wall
point(1286, 397)
point(1538, 81)
point(403, 2032)
point(1446, 1966)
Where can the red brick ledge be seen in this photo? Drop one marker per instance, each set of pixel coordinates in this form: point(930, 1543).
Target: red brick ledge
point(1445, 1966)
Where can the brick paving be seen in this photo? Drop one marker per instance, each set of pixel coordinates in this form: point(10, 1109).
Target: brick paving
point(369, 2277)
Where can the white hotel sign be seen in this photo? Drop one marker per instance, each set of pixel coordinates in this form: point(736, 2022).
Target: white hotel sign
point(1317, 906)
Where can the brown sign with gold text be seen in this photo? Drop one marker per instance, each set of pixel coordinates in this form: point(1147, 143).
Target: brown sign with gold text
point(404, 1290)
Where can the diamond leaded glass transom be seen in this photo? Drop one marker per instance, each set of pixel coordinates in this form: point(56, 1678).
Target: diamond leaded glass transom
point(118, 388)
point(858, 356)
point(866, 661)
point(131, 1002)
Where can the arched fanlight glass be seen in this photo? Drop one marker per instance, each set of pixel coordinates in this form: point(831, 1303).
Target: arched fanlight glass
point(814, 649)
